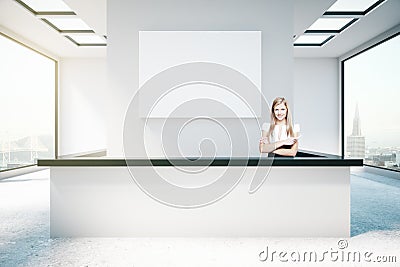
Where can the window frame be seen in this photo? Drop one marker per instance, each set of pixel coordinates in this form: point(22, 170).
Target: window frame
point(18, 42)
point(380, 40)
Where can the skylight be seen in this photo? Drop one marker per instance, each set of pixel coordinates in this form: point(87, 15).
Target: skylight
point(312, 40)
point(59, 16)
point(69, 24)
point(87, 39)
point(340, 16)
point(46, 6)
point(352, 6)
point(330, 24)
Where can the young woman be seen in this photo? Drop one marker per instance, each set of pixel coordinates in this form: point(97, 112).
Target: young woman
point(280, 136)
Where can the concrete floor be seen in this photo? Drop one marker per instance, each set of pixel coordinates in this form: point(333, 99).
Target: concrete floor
point(24, 238)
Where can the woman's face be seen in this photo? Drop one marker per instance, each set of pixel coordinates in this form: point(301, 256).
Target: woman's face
point(280, 112)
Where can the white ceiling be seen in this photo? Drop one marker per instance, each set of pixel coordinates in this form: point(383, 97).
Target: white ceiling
point(94, 17)
point(17, 19)
point(307, 11)
point(20, 21)
point(378, 21)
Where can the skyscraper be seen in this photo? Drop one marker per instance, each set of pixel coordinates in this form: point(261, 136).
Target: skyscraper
point(356, 141)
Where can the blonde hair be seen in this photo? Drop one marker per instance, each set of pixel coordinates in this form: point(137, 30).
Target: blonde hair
point(289, 123)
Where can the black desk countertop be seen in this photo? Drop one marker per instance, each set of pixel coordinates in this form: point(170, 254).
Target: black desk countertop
point(303, 158)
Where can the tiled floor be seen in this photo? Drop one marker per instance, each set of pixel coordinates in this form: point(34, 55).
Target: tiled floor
point(24, 236)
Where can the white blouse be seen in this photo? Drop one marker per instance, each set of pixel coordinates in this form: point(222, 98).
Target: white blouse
point(279, 128)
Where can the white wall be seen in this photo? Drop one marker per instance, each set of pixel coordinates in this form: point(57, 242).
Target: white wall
point(317, 103)
point(82, 92)
point(126, 18)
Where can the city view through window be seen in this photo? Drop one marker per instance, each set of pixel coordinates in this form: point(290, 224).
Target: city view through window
point(371, 105)
point(27, 101)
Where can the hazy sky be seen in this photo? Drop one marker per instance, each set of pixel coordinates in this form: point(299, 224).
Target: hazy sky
point(26, 92)
point(372, 79)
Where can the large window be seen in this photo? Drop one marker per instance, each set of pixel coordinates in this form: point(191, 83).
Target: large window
point(27, 105)
point(371, 84)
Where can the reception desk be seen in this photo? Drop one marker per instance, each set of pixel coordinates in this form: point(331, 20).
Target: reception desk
point(304, 196)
